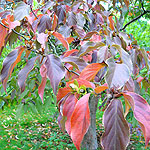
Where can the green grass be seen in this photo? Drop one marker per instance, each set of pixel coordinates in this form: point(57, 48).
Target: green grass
point(37, 132)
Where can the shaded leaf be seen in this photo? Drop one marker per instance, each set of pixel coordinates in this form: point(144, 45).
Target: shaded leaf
point(80, 120)
point(116, 135)
point(141, 110)
point(117, 74)
point(55, 71)
point(90, 71)
point(24, 73)
point(45, 23)
point(21, 10)
point(62, 39)
point(75, 61)
point(9, 63)
point(89, 46)
point(102, 54)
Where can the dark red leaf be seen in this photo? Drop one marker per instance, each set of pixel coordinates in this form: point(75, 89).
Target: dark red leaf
point(116, 135)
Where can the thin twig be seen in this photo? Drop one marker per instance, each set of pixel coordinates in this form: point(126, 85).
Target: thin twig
point(72, 71)
point(33, 12)
point(14, 31)
point(53, 46)
point(145, 12)
point(142, 5)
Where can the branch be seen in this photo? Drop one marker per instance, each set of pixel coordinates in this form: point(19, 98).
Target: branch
point(72, 71)
point(142, 5)
point(14, 31)
point(145, 12)
point(33, 12)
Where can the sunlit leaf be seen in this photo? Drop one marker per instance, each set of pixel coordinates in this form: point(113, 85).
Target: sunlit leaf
point(80, 120)
point(117, 75)
point(90, 71)
point(21, 10)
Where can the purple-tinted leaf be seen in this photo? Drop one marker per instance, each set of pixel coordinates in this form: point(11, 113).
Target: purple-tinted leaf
point(80, 20)
point(21, 10)
point(141, 110)
point(72, 20)
point(61, 13)
point(79, 31)
point(55, 71)
point(102, 54)
point(117, 75)
point(75, 61)
point(24, 72)
point(89, 46)
point(116, 135)
point(9, 63)
point(48, 5)
point(45, 23)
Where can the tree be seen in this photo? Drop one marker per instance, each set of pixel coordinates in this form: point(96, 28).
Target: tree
point(80, 47)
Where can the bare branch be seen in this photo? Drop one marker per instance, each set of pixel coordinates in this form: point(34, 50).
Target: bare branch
point(145, 12)
point(72, 71)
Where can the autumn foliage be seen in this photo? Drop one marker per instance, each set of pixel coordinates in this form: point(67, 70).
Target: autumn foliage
point(80, 43)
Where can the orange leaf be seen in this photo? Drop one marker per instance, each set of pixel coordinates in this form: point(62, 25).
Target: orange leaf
point(54, 22)
point(62, 92)
point(80, 120)
point(68, 53)
point(111, 21)
point(90, 71)
point(101, 88)
point(61, 38)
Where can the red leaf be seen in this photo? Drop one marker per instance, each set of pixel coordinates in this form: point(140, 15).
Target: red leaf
point(9, 63)
point(63, 92)
point(116, 135)
point(80, 120)
point(55, 71)
point(24, 72)
point(141, 110)
point(90, 71)
point(68, 109)
point(62, 39)
point(3, 33)
point(101, 88)
point(68, 53)
point(55, 20)
point(41, 88)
